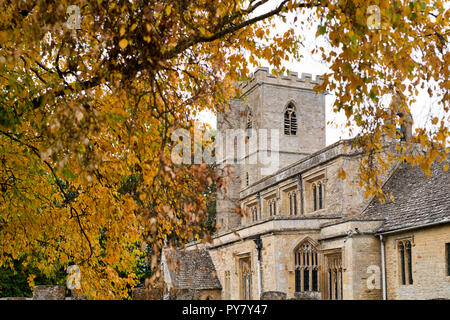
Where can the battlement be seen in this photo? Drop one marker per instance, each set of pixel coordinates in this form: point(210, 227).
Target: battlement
point(262, 74)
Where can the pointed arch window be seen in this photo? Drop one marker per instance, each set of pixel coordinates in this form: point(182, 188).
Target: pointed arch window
point(314, 188)
point(290, 204)
point(290, 120)
point(317, 195)
point(270, 207)
point(293, 203)
point(320, 195)
point(273, 207)
point(254, 213)
point(306, 268)
point(334, 275)
point(404, 248)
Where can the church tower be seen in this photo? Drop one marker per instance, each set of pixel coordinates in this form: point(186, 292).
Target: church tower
point(276, 122)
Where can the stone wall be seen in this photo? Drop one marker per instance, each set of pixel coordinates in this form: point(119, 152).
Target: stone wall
point(429, 265)
point(142, 293)
point(273, 295)
point(190, 294)
point(365, 258)
point(49, 292)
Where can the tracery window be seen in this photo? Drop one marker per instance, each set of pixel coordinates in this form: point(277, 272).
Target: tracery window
point(405, 255)
point(290, 120)
point(306, 268)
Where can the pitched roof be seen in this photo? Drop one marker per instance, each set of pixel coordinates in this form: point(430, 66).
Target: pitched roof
point(418, 200)
point(192, 269)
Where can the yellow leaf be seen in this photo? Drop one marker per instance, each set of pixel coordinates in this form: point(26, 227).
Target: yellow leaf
point(123, 43)
point(122, 31)
point(342, 174)
point(446, 167)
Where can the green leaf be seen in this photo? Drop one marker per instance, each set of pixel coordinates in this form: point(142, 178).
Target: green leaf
point(321, 30)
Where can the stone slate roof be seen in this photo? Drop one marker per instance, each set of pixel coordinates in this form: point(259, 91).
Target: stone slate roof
point(418, 200)
point(194, 269)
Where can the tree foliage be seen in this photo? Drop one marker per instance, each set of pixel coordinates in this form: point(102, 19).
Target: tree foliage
point(87, 114)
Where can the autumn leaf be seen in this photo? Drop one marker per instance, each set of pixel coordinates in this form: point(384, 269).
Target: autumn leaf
point(123, 43)
point(85, 128)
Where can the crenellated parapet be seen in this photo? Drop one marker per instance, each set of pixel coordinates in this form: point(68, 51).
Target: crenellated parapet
point(263, 75)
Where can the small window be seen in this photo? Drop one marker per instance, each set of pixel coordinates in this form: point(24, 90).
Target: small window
point(333, 271)
point(292, 203)
point(227, 292)
point(295, 203)
point(254, 212)
point(314, 190)
point(273, 207)
point(447, 248)
point(405, 257)
point(247, 180)
point(245, 278)
point(320, 195)
point(290, 121)
point(317, 195)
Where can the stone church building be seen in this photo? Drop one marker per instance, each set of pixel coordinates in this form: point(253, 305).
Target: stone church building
point(304, 232)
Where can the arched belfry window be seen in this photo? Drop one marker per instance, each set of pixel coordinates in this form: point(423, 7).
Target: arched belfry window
point(306, 268)
point(290, 120)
